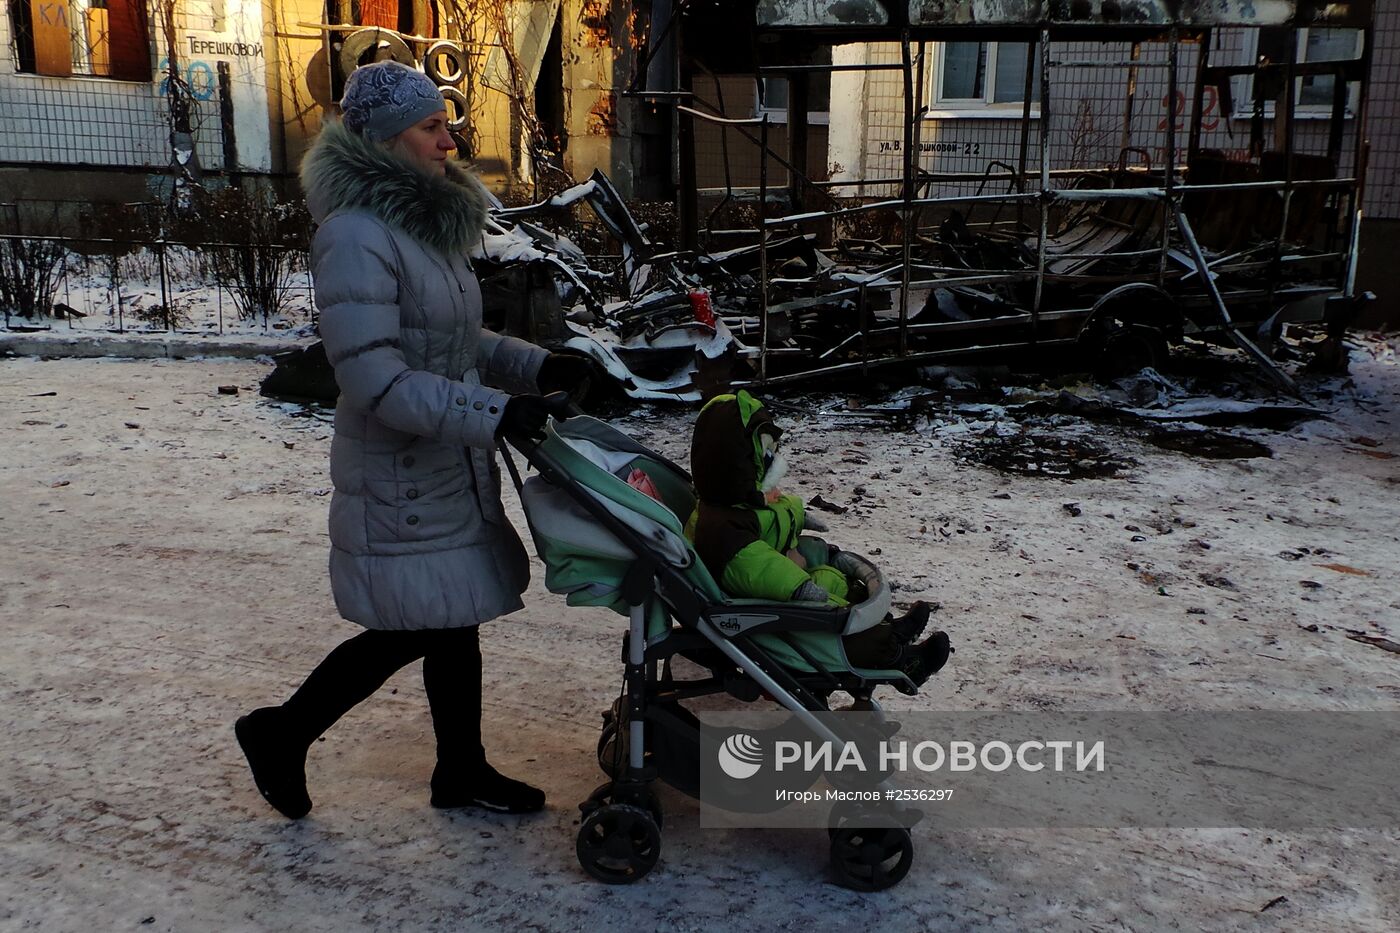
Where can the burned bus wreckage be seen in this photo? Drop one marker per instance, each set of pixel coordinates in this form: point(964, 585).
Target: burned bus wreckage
point(1160, 170)
point(1238, 212)
point(1235, 211)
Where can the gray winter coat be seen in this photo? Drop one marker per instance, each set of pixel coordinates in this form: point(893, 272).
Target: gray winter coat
point(418, 535)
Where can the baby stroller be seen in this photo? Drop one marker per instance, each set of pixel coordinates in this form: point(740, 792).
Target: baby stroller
point(605, 543)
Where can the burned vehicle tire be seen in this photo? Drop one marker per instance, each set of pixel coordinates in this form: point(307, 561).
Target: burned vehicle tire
point(1130, 328)
point(374, 44)
point(1124, 348)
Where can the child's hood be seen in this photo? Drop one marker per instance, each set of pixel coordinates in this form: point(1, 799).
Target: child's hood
point(727, 451)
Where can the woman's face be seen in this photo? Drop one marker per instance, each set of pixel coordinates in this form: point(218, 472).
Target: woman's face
point(428, 143)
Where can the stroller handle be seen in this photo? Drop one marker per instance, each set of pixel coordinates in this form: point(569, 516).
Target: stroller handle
point(562, 407)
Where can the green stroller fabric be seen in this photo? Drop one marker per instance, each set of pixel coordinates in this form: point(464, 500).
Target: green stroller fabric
point(586, 563)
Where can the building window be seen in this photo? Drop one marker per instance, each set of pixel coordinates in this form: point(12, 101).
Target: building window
point(773, 100)
point(1313, 93)
point(1325, 45)
point(980, 76)
point(93, 38)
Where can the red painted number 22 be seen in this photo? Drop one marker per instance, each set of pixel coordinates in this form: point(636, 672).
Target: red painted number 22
point(1209, 102)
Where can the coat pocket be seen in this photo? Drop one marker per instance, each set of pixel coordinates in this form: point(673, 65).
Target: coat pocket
point(431, 495)
point(486, 477)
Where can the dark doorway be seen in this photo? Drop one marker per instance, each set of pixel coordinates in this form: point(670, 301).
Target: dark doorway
point(549, 91)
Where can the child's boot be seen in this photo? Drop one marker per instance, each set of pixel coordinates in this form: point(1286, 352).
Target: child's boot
point(908, 627)
point(926, 659)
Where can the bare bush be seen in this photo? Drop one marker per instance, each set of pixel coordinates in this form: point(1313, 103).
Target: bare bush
point(1088, 143)
point(257, 245)
point(30, 269)
point(170, 316)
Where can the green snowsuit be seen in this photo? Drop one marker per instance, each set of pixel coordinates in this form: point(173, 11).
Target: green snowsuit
point(741, 538)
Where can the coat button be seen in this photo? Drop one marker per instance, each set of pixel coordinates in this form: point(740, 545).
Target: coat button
point(412, 494)
point(408, 461)
point(461, 401)
point(493, 409)
point(413, 519)
point(476, 406)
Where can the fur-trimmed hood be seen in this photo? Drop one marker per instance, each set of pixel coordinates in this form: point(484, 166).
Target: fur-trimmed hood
point(345, 170)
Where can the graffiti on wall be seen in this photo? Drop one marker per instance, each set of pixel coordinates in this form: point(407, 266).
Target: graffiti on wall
point(200, 75)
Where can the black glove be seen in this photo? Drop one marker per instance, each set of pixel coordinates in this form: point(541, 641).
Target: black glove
point(565, 372)
point(524, 416)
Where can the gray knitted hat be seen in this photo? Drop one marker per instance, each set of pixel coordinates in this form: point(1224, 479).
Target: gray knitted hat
point(384, 99)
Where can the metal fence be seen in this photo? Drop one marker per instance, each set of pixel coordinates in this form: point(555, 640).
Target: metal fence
point(82, 281)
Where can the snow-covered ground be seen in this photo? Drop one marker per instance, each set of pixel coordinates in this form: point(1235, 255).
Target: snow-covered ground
point(163, 571)
point(130, 300)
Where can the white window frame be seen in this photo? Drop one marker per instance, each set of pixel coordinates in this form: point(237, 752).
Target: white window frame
point(780, 114)
point(1244, 84)
point(986, 108)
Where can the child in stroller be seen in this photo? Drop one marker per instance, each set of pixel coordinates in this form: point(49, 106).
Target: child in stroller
point(750, 537)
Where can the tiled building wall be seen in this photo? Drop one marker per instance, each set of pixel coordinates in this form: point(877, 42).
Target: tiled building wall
point(96, 121)
point(1383, 124)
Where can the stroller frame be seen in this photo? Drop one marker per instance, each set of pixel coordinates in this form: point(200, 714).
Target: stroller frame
point(619, 840)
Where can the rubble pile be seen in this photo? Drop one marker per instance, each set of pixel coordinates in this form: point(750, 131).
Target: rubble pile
point(650, 325)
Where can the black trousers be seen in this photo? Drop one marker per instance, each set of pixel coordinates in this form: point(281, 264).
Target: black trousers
point(359, 666)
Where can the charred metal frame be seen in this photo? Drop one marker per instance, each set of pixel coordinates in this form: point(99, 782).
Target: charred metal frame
point(1032, 189)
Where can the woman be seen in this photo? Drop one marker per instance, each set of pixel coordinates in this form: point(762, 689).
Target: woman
point(421, 551)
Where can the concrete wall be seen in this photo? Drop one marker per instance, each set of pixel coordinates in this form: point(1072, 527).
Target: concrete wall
point(605, 130)
point(294, 69)
point(1379, 272)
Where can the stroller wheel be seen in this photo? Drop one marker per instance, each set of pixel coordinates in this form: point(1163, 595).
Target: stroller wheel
point(632, 794)
point(871, 859)
point(618, 843)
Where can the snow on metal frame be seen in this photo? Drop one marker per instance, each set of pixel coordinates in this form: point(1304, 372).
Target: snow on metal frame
point(822, 13)
point(806, 13)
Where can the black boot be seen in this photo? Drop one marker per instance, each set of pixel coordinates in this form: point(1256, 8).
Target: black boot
point(483, 786)
point(463, 778)
point(908, 627)
point(924, 660)
point(278, 759)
